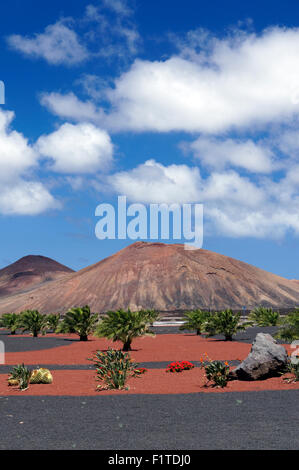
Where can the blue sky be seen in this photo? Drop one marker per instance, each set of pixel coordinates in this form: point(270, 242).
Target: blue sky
point(160, 101)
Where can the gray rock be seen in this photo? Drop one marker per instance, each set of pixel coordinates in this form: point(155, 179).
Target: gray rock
point(266, 359)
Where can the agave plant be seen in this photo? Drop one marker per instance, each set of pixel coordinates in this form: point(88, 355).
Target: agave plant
point(53, 321)
point(33, 321)
point(195, 320)
point(124, 326)
point(20, 375)
point(290, 327)
point(10, 321)
point(225, 323)
point(114, 368)
point(263, 316)
point(78, 320)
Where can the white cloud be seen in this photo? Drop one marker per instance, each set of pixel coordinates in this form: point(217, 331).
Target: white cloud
point(233, 205)
point(288, 143)
point(238, 82)
point(58, 44)
point(153, 182)
point(17, 161)
point(113, 31)
point(16, 155)
point(119, 6)
point(81, 148)
point(26, 198)
point(216, 153)
point(68, 106)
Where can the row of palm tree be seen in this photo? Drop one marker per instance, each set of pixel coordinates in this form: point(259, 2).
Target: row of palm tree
point(229, 323)
point(225, 323)
point(120, 325)
point(125, 325)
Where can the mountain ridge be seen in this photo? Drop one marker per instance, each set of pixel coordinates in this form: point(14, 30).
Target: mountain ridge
point(162, 276)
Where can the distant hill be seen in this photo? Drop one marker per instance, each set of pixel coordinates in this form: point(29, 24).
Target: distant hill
point(160, 276)
point(29, 272)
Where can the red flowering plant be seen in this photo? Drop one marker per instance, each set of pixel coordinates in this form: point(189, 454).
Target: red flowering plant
point(179, 366)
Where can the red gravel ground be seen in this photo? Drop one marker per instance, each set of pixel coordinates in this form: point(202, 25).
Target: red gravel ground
point(156, 381)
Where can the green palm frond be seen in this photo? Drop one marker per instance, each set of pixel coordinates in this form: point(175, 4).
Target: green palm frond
point(33, 321)
point(78, 320)
point(124, 326)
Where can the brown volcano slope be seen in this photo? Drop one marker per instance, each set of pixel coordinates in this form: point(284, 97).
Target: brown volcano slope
point(164, 277)
point(29, 272)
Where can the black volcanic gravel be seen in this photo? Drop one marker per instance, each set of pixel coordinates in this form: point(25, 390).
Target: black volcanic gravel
point(235, 420)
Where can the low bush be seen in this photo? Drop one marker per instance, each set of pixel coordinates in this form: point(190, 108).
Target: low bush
point(216, 372)
point(20, 375)
point(179, 366)
point(113, 369)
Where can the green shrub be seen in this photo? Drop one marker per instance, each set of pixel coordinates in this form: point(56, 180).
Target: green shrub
point(10, 321)
point(225, 323)
point(195, 320)
point(124, 326)
point(80, 321)
point(290, 327)
point(216, 372)
point(263, 316)
point(114, 368)
point(33, 321)
point(53, 320)
point(22, 375)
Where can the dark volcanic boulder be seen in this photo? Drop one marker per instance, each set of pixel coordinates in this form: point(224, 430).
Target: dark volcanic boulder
point(266, 359)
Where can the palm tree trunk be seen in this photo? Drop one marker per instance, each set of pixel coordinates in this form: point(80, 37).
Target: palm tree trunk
point(127, 345)
point(83, 338)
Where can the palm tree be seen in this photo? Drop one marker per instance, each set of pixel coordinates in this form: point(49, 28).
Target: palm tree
point(263, 316)
point(225, 323)
point(53, 321)
point(195, 320)
point(78, 320)
point(124, 326)
point(10, 321)
point(152, 315)
point(33, 321)
point(290, 327)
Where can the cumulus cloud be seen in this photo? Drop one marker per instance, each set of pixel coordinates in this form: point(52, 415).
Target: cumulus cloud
point(58, 44)
point(237, 82)
point(156, 183)
point(26, 198)
point(16, 155)
point(17, 160)
point(247, 154)
point(233, 205)
point(80, 148)
point(68, 106)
